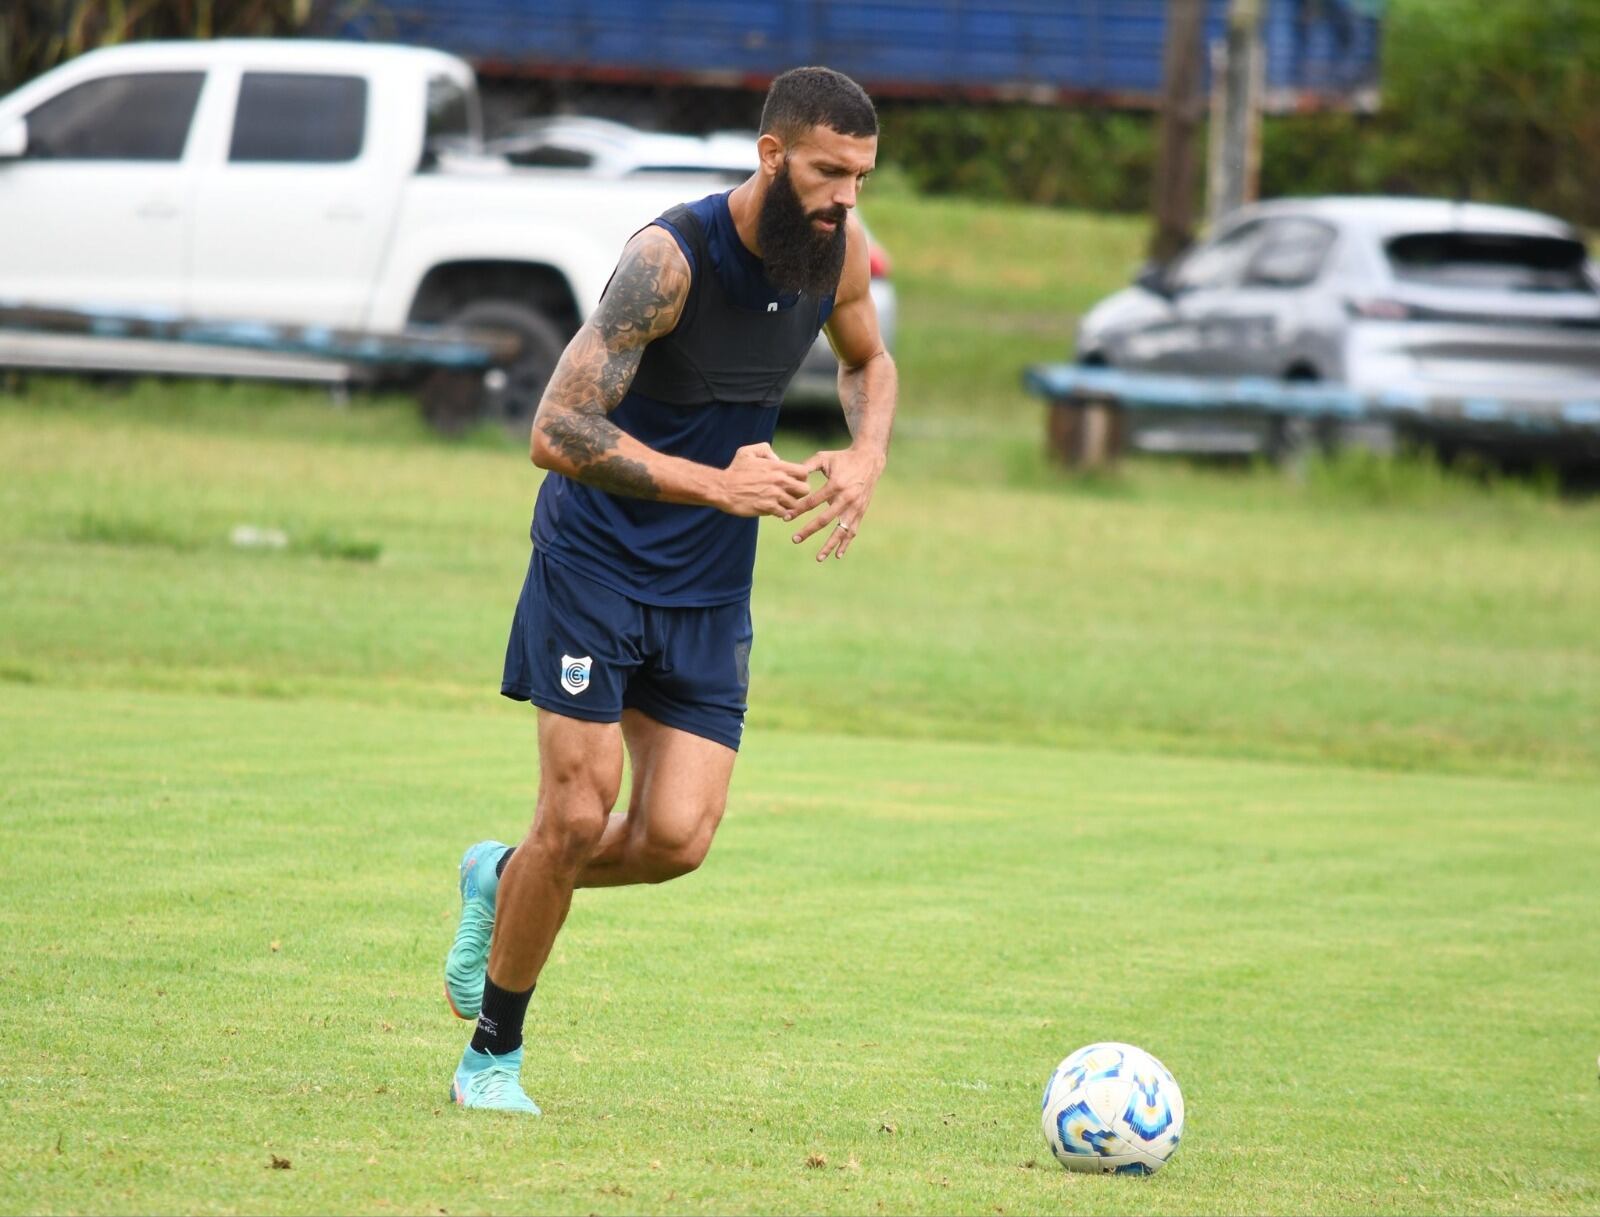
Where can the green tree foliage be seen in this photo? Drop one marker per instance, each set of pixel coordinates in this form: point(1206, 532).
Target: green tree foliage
point(1099, 161)
point(36, 35)
point(1481, 99)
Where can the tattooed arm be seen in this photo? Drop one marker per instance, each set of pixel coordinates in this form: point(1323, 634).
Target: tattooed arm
point(868, 384)
point(574, 435)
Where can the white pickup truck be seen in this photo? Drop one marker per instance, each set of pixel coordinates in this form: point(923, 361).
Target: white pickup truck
point(299, 182)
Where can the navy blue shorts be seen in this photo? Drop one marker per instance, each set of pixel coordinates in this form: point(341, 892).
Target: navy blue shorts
point(580, 649)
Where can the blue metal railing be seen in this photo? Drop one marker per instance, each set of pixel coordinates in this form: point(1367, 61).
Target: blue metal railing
point(418, 346)
point(1074, 384)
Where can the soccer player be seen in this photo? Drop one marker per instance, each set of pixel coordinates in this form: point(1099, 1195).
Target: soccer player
point(633, 627)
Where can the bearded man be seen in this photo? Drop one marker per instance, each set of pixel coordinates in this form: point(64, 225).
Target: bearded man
point(633, 628)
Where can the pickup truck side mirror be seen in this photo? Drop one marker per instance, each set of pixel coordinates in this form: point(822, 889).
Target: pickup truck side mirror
point(14, 139)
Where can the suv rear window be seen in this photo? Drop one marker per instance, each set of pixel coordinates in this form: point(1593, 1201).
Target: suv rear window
point(1490, 260)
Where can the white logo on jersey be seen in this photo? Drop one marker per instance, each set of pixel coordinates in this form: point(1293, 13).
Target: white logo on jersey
point(772, 307)
point(575, 673)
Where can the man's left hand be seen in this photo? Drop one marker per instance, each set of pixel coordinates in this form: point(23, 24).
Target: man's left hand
point(852, 475)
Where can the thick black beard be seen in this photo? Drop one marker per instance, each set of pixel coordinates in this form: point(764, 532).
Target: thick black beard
point(798, 256)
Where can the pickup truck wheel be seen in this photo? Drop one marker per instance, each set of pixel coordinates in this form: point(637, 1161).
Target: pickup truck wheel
point(509, 395)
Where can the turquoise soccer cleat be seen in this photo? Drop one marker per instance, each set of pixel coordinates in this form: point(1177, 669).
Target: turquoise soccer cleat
point(491, 1082)
point(468, 961)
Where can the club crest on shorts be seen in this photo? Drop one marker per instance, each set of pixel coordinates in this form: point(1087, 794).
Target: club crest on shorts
point(575, 673)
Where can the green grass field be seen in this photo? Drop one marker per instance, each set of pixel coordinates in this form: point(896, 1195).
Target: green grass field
point(1296, 784)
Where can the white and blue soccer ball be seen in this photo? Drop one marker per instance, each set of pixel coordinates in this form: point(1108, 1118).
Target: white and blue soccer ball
point(1112, 1108)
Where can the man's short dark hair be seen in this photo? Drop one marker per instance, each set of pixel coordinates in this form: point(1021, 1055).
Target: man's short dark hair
point(803, 98)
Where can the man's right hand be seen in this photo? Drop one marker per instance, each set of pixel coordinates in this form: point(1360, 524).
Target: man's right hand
point(757, 482)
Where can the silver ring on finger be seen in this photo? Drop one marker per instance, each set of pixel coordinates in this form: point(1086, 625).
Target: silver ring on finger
point(842, 526)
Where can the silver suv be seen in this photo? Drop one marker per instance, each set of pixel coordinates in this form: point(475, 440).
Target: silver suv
point(1433, 299)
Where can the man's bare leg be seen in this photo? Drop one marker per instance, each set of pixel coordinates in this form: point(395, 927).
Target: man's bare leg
point(680, 788)
point(679, 792)
point(580, 769)
point(580, 772)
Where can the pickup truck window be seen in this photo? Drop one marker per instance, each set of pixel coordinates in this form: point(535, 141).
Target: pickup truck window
point(449, 120)
point(298, 117)
point(449, 112)
point(141, 116)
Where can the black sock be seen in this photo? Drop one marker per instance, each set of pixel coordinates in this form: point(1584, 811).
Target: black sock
point(500, 866)
point(499, 1029)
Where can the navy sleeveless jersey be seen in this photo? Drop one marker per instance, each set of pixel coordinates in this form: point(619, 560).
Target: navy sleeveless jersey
point(703, 391)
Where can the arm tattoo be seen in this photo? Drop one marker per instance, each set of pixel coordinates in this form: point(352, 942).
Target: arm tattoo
point(640, 305)
point(582, 438)
point(619, 475)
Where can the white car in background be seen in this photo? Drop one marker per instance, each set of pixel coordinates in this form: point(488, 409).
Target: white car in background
point(611, 149)
point(296, 187)
point(280, 190)
point(600, 147)
point(1431, 298)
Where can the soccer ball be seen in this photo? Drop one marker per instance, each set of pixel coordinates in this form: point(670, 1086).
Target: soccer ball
point(1112, 1108)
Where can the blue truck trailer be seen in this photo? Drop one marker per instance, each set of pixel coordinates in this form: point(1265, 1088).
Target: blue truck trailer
point(1320, 53)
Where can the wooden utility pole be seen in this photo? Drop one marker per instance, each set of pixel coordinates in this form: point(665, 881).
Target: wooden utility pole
point(1181, 107)
point(1237, 70)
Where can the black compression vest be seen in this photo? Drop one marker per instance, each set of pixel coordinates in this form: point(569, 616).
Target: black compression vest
point(701, 392)
point(722, 350)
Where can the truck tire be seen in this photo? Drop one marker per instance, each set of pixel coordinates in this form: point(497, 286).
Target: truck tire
point(506, 396)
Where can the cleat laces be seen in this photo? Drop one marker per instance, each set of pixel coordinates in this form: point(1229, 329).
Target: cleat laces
point(499, 1086)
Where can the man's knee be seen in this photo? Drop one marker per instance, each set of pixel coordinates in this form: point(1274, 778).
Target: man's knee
point(568, 837)
point(677, 850)
point(575, 800)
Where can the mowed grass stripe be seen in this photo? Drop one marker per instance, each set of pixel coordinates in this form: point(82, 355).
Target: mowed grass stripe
point(1236, 616)
point(1356, 975)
